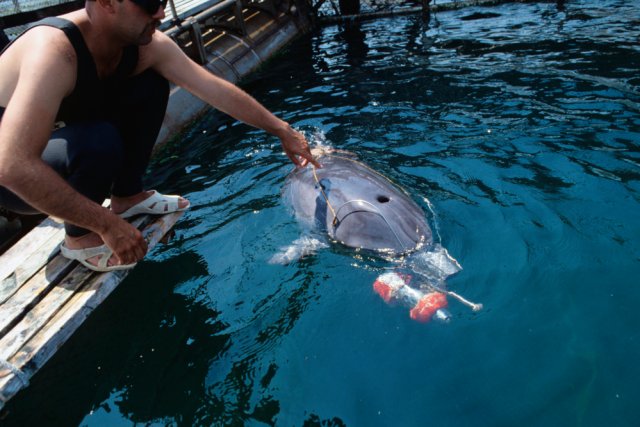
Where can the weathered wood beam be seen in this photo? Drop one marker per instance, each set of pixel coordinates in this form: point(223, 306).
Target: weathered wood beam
point(46, 325)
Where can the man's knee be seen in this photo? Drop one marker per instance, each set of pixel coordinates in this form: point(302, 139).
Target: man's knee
point(95, 158)
point(99, 149)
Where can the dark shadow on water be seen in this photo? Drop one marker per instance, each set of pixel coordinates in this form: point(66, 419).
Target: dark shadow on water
point(355, 43)
point(145, 356)
point(146, 347)
point(315, 421)
point(233, 388)
point(480, 15)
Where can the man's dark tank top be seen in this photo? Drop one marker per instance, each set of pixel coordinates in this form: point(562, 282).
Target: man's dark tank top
point(89, 99)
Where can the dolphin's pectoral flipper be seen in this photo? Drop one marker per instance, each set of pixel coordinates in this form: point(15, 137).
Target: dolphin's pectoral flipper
point(299, 248)
point(434, 264)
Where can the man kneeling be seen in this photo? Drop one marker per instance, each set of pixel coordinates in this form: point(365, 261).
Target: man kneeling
point(103, 73)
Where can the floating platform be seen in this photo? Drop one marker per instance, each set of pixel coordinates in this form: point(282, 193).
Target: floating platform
point(45, 297)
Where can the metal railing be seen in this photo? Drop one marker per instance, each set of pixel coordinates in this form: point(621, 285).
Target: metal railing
point(190, 27)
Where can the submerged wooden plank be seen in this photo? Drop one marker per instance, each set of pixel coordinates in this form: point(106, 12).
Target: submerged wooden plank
point(80, 293)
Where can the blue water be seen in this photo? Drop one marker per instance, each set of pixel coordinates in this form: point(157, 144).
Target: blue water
point(522, 130)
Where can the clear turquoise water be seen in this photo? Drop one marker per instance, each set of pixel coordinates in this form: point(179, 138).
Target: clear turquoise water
point(523, 131)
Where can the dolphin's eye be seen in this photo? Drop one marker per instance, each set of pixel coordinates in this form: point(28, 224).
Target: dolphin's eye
point(383, 199)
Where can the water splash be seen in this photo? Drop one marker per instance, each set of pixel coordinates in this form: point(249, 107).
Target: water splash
point(434, 265)
point(299, 248)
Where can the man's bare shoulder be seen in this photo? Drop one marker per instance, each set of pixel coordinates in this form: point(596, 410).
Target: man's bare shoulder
point(47, 41)
point(161, 49)
point(42, 59)
point(40, 45)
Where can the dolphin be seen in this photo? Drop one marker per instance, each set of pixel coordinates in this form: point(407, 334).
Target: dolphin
point(360, 208)
point(356, 205)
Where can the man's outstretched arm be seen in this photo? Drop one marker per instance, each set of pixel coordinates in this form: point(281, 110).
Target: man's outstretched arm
point(167, 58)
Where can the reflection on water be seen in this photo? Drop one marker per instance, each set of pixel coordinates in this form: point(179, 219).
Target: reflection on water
point(522, 128)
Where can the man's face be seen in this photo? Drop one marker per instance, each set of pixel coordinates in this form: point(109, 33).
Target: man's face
point(141, 19)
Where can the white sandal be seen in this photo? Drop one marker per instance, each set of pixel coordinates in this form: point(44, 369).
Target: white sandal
point(156, 204)
point(82, 255)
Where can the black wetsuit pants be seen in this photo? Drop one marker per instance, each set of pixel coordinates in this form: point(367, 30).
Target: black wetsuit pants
point(106, 156)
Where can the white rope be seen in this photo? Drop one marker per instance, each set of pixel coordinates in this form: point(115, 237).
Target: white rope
point(474, 306)
point(436, 224)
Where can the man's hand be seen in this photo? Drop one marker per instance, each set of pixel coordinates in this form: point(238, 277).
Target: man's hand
point(125, 241)
point(296, 147)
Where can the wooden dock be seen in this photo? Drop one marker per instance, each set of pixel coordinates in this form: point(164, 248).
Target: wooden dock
point(44, 297)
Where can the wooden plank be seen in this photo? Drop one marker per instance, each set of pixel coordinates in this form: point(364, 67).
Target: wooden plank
point(33, 319)
point(80, 300)
point(28, 255)
point(31, 293)
point(10, 381)
point(37, 317)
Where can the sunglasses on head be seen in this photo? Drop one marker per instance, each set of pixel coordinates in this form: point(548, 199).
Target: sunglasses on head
point(151, 6)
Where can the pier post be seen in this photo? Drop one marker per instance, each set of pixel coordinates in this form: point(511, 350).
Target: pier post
point(349, 7)
point(196, 39)
point(426, 10)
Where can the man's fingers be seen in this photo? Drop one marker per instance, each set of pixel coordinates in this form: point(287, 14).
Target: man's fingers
point(307, 157)
point(297, 148)
point(303, 155)
point(131, 250)
point(140, 247)
point(313, 161)
point(293, 159)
